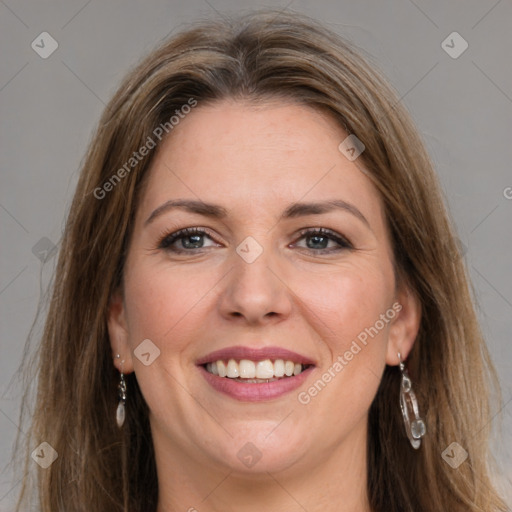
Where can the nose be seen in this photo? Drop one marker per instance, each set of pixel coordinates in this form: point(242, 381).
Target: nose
point(255, 293)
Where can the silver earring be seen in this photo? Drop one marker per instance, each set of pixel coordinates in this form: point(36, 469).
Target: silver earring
point(414, 424)
point(120, 412)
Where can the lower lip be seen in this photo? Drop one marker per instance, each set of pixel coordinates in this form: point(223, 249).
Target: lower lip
point(255, 392)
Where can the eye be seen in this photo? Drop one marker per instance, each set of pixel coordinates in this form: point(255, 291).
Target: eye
point(318, 240)
point(323, 240)
point(186, 240)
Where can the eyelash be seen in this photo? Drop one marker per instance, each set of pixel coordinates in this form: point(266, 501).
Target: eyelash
point(168, 239)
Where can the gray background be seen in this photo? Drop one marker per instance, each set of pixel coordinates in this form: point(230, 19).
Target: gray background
point(462, 106)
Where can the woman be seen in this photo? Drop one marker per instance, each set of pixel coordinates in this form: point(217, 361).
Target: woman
point(259, 302)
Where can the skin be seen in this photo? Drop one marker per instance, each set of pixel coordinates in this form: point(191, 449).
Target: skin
point(254, 160)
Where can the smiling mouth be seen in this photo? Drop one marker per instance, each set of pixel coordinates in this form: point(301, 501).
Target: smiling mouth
point(255, 372)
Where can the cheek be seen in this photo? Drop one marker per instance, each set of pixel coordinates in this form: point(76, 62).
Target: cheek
point(172, 306)
point(348, 310)
point(160, 300)
point(353, 313)
point(349, 302)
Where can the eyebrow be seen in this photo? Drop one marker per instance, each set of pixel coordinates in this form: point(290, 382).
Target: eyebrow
point(292, 211)
point(316, 208)
point(190, 205)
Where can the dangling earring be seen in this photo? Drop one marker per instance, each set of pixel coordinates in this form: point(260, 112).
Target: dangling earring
point(120, 412)
point(416, 428)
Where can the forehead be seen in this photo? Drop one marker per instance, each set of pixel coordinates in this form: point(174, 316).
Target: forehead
point(255, 157)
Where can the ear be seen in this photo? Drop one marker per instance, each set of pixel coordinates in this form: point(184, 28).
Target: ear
point(119, 333)
point(405, 326)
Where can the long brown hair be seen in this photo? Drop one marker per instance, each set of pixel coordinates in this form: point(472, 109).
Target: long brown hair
point(259, 57)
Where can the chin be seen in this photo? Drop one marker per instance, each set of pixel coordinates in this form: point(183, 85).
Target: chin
point(257, 450)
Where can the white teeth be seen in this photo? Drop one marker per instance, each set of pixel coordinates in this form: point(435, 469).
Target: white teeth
point(221, 368)
point(233, 370)
point(247, 369)
point(279, 368)
point(254, 371)
point(265, 369)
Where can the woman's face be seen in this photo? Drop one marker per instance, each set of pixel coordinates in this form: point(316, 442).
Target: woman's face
point(258, 279)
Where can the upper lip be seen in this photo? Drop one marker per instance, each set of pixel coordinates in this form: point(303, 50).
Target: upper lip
point(254, 354)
